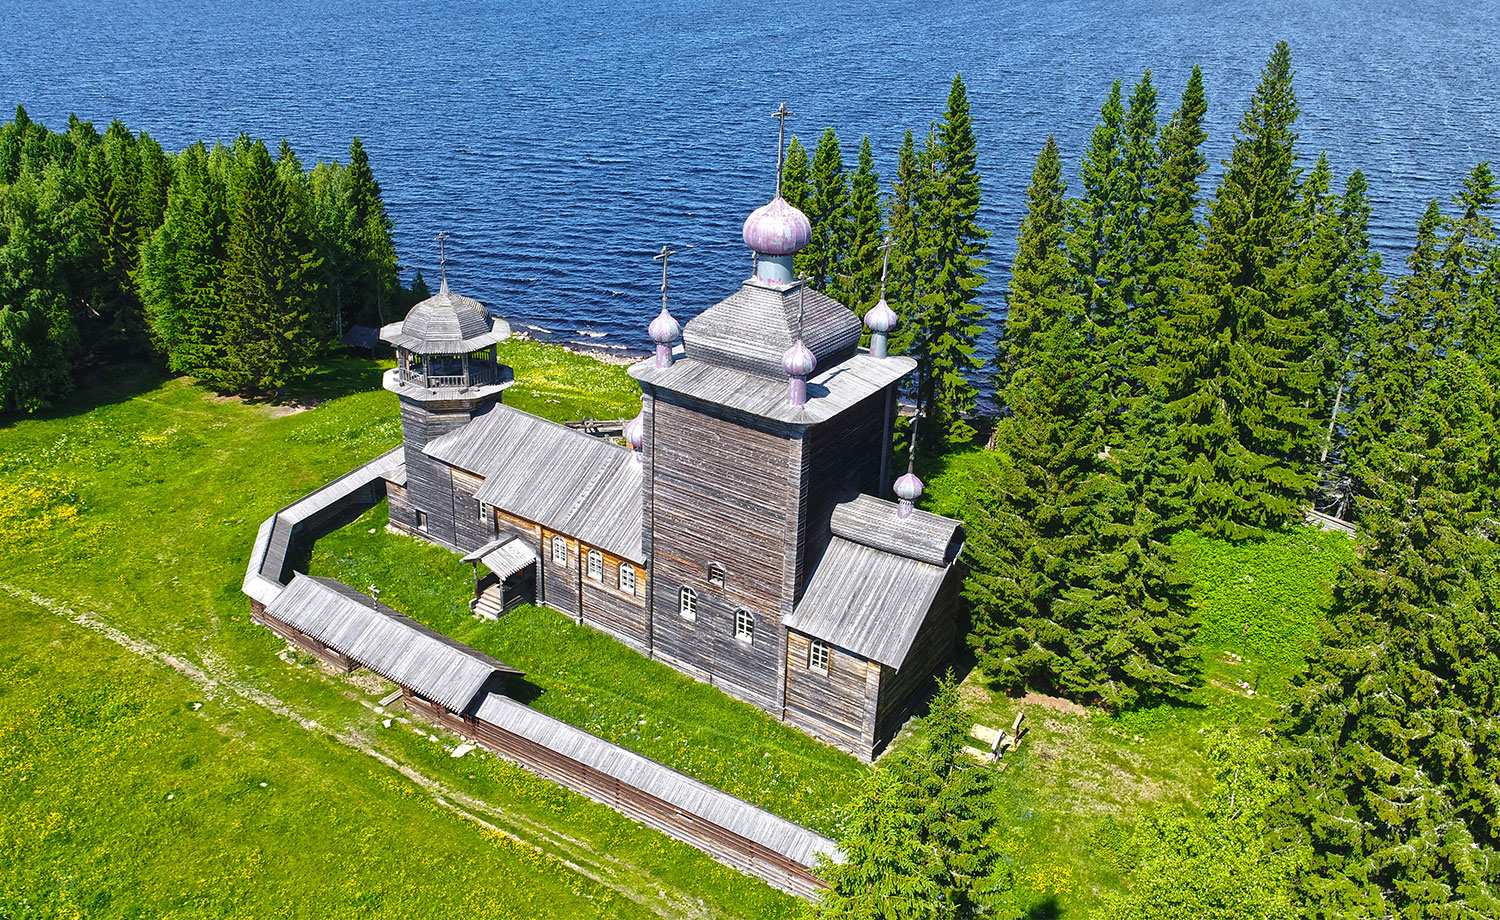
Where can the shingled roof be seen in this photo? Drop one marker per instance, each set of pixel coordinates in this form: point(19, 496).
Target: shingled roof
point(446, 324)
point(565, 480)
point(752, 328)
point(876, 581)
point(394, 646)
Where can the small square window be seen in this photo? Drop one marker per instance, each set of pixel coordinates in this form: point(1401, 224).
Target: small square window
point(716, 574)
point(596, 565)
point(817, 656)
point(744, 625)
point(421, 518)
point(627, 577)
point(560, 550)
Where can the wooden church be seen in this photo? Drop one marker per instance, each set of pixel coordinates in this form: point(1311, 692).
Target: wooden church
point(741, 537)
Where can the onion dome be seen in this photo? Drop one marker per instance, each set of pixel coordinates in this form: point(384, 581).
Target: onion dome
point(635, 433)
point(881, 318)
point(777, 229)
point(799, 361)
point(908, 488)
point(664, 329)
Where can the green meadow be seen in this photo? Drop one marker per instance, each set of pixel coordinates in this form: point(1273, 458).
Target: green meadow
point(161, 756)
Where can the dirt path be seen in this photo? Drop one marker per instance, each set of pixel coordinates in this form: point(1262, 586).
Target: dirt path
point(214, 678)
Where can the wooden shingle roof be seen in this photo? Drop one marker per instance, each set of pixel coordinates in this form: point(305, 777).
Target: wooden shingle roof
point(692, 797)
point(831, 389)
point(565, 480)
point(394, 646)
point(875, 583)
point(752, 328)
point(446, 324)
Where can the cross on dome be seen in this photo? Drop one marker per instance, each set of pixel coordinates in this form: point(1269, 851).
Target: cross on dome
point(781, 113)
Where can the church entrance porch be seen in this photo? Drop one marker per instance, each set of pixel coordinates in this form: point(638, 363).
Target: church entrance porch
point(510, 581)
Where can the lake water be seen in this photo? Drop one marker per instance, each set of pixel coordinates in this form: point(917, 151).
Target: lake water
point(562, 143)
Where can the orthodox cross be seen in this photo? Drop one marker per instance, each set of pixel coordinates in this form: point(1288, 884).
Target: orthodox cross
point(802, 303)
point(442, 239)
point(911, 456)
point(885, 247)
point(781, 113)
point(664, 255)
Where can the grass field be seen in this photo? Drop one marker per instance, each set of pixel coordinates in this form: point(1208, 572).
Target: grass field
point(140, 710)
point(162, 756)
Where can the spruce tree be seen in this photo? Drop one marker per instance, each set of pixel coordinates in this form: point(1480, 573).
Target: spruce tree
point(1174, 239)
point(828, 211)
point(183, 267)
point(1042, 284)
point(375, 252)
point(1393, 742)
point(1244, 415)
point(860, 281)
point(1134, 249)
point(39, 337)
point(885, 873)
point(1091, 223)
point(270, 285)
point(905, 281)
point(796, 176)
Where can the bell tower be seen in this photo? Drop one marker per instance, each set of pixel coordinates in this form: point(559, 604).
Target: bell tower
point(447, 372)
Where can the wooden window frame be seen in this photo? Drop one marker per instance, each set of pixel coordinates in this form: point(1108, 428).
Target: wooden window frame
point(687, 603)
point(819, 655)
point(560, 542)
point(744, 626)
point(596, 565)
point(420, 517)
point(627, 588)
point(716, 575)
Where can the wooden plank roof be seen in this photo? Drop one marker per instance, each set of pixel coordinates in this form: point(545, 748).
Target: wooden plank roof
point(693, 797)
point(867, 601)
point(751, 329)
point(446, 324)
point(394, 646)
point(924, 536)
point(831, 390)
point(564, 480)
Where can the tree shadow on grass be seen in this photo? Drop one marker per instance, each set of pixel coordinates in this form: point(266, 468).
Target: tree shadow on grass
point(98, 386)
point(1047, 908)
point(338, 375)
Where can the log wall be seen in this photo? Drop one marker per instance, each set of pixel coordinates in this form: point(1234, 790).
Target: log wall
point(837, 706)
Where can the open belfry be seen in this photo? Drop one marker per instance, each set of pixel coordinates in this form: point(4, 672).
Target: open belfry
point(741, 537)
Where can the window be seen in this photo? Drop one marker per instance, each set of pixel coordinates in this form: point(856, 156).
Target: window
point(817, 656)
point(716, 574)
point(596, 565)
point(421, 518)
point(560, 550)
point(484, 513)
point(744, 625)
point(627, 577)
point(687, 603)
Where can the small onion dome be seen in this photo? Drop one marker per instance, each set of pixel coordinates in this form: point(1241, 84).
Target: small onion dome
point(799, 361)
point(881, 318)
point(635, 432)
point(777, 229)
point(664, 329)
point(908, 488)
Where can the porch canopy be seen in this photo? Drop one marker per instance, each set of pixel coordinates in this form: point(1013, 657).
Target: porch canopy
point(505, 556)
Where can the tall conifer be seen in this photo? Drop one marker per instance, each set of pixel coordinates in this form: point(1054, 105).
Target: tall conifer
point(828, 211)
point(1042, 285)
point(860, 280)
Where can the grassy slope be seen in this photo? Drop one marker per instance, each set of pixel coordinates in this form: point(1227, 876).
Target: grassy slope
point(127, 517)
point(1081, 779)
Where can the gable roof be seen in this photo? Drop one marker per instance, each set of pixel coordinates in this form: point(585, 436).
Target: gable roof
point(394, 646)
point(574, 483)
point(874, 586)
point(694, 798)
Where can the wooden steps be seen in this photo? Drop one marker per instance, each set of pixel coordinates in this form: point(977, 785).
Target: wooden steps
point(489, 605)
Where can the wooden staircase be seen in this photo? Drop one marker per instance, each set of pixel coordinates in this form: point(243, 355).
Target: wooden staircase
point(490, 604)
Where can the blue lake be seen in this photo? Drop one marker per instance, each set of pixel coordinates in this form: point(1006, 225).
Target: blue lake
point(562, 143)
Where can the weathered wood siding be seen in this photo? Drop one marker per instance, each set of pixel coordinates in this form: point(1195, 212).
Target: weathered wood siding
point(842, 458)
point(559, 580)
point(470, 532)
point(622, 614)
point(429, 483)
point(931, 652)
point(837, 706)
point(305, 642)
point(724, 490)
